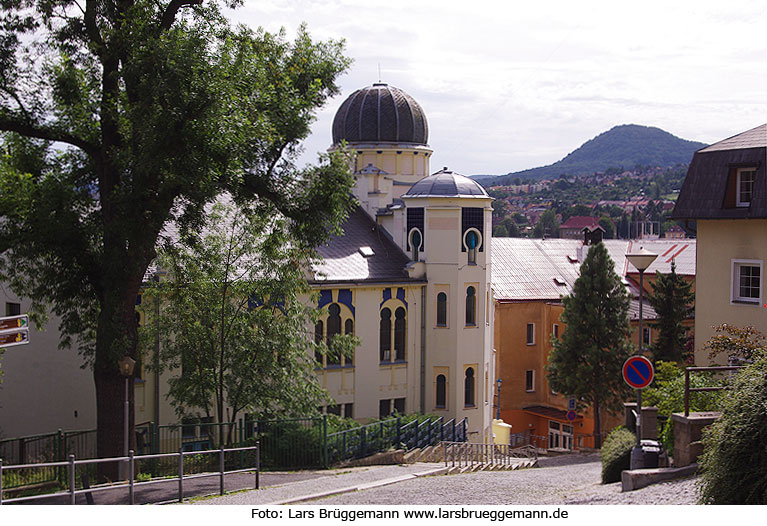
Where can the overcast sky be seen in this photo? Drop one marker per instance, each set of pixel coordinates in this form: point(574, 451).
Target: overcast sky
point(509, 85)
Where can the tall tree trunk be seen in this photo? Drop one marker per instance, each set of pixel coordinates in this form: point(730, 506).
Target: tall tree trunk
point(117, 337)
point(597, 424)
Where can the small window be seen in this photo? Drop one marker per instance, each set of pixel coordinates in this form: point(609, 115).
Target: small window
point(468, 387)
point(416, 243)
point(472, 241)
point(334, 328)
point(400, 332)
point(529, 381)
point(399, 405)
point(441, 396)
point(334, 410)
point(555, 330)
point(441, 309)
point(385, 335)
point(745, 186)
point(12, 309)
point(349, 410)
point(349, 329)
point(646, 336)
point(318, 337)
point(384, 408)
point(747, 281)
point(531, 334)
point(471, 306)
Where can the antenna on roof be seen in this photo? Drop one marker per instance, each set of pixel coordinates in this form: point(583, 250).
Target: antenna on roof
point(379, 72)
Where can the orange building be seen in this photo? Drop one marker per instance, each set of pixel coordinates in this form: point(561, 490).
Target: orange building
point(530, 276)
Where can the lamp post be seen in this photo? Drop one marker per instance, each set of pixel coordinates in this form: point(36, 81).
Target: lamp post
point(126, 364)
point(641, 260)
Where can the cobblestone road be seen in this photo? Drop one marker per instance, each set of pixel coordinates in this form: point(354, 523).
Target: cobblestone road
point(559, 480)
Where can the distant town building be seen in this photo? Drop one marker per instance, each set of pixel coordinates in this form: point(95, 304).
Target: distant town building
point(575, 227)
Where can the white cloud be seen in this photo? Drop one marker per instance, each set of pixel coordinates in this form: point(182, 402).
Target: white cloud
point(507, 86)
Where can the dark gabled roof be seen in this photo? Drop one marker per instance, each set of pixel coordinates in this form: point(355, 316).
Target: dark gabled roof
point(705, 187)
point(345, 262)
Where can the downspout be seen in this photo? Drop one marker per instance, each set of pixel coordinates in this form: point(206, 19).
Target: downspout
point(423, 349)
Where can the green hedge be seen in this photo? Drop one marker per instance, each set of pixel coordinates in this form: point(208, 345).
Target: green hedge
point(734, 462)
point(616, 454)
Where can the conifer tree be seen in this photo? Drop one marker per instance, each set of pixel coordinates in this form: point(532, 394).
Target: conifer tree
point(586, 361)
point(672, 298)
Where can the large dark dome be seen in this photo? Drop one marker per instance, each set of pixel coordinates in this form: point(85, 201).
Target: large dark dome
point(380, 113)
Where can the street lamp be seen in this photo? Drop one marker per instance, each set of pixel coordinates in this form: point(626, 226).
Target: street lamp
point(126, 364)
point(641, 260)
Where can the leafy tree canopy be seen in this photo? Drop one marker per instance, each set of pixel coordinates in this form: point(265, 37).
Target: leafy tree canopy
point(738, 343)
point(586, 361)
point(118, 118)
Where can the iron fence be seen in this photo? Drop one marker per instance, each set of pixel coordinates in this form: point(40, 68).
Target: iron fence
point(688, 389)
point(75, 486)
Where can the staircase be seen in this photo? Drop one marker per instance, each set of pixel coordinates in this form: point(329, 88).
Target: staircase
point(464, 457)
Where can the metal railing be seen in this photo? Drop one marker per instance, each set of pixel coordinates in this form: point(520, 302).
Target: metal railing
point(130, 461)
point(365, 440)
point(688, 389)
point(462, 454)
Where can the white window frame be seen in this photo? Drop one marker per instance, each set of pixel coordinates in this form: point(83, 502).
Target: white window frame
point(529, 342)
point(735, 296)
point(738, 181)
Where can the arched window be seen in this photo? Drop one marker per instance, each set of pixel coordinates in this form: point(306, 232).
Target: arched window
point(471, 306)
point(385, 335)
point(442, 309)
point(399, 334)
point(468, 387)
point(318, 335)
point(416, 242)
point(472, 242)
point(334, 327)
point(349, 329)
point(441, 399)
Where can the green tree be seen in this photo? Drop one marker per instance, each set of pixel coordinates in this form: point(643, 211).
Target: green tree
point(734, 456)
point(738, 343)
point(547, 225)
point(673, 301)
point(233, 325)
point(607, 223)
point(139, 114)
point(586, 361)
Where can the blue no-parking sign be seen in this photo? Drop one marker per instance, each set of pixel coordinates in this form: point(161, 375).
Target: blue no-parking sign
point(638, 372)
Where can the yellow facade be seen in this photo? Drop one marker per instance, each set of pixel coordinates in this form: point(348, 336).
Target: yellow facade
point(722, 243)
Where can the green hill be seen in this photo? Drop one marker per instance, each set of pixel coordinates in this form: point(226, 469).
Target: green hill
point(624, 146)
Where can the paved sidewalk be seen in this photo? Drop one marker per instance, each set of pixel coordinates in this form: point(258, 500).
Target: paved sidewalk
point(334, 482)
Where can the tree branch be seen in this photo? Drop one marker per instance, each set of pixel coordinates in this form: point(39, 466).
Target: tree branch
point(29, 129)
point(169, 16)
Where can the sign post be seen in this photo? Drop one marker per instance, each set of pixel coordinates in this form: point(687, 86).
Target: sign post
point(14, 330)
point(638, 372)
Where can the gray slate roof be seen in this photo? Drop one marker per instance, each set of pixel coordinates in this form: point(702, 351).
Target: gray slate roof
point(533, 269)
point(703, 192)
point(380, 113)
point(446, 184)
point(343, 262)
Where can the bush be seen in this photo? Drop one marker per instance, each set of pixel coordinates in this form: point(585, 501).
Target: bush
point(734, 461)
point(616, 454)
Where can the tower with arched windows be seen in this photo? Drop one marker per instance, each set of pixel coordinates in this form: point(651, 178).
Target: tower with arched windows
point(410, 275)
